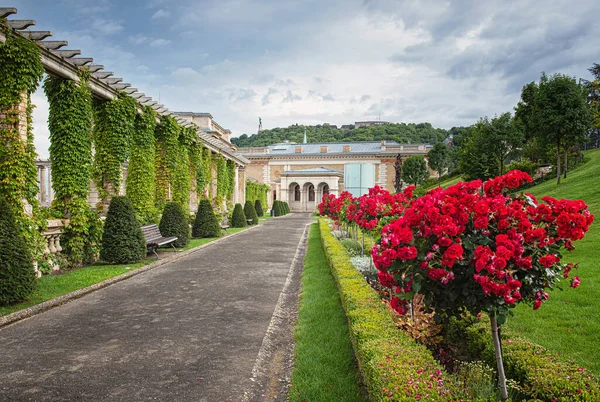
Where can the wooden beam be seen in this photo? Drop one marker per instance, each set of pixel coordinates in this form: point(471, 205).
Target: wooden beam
point(81, 61)
point(20, 24)
point(6, 11)
point(66, 53)
point(35, 35)
point(52, 44)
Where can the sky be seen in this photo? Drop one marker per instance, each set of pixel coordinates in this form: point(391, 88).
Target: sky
point(324, 61)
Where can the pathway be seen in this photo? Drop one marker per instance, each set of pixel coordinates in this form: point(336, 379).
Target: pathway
point(190, 330)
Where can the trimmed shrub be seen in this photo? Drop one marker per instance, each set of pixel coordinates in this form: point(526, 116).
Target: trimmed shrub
point(250, 212)
point(206, 223)
point(175, 222)
point(258, 208)
point(17, 277)
point(122, 241)
point(277, 208)
point(286, 208)
point(238, 219)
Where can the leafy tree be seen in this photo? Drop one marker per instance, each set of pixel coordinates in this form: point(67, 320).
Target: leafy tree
point(238, 219)
point(250, 212)
point(206, 223)
point(414, 169)
point(259, 209)
point(175, 222)
point(473, 160)
point(122, 240)
point(525, 109)
point(398, 174)
point(439, 158)
point(593, 88)
point(561, 114)
point(17, 277)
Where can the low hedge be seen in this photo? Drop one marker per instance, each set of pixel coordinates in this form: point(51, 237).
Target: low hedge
point(541, 374)
point(393, 366)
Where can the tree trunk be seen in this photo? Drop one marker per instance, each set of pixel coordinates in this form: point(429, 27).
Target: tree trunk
point(565, 167)
point(498, 350)
point(557, 161)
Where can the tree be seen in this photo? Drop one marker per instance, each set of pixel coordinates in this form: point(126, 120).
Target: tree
point(250, 212)
point(17, 277)
point(525, 108)
point(238, 218)
point(206, 223)
point(439, 158)
point(561, 116)
point(259, 209)
point(175, 223)
point(414, 169)
point(122, 240)
point(398, 174)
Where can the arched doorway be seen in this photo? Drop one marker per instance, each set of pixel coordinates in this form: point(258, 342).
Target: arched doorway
point(311, 193)
point(322, 189)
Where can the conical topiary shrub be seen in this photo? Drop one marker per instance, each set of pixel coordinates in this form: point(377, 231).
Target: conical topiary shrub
point(277, 208)
point(286, 208)
point(17, 277)
point(206, 223)
point(122, 240)
point(250, 212)
point(258, 208)
point(175, 222)
point(238, 219)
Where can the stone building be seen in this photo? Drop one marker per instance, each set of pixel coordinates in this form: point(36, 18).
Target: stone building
point(301, 173)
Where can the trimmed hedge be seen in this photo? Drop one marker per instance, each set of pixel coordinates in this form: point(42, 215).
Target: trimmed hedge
point(258, 208)
point(250, 212)
point(175, 222)
point(393, 366)
point(206, 223)
point(122, 240)
point(286, 208)
point(277, 208)
point(17, 277)
point(541, 374)
point(238, 218)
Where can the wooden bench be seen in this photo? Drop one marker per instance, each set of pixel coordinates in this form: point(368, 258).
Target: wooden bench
point(154, 239)
point(224, 225)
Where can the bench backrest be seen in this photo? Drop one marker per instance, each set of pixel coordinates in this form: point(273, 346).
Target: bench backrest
point(151, 232)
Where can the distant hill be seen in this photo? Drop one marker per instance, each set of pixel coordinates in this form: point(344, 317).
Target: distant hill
point(400, 132)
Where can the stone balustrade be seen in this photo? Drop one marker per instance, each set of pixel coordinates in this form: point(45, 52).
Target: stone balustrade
point(52, 235)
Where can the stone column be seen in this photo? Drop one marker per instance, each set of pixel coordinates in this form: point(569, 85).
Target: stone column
point(50, 189)
point(42, 186)
point(236, 193)
point(242, 183)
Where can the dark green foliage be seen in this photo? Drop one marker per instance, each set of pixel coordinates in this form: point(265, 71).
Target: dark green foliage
point(206, 223)
point(122, 241)
point(439, 158)
point(277, 208)
point(286, 208)
point(250, 213)
point(403, 133)
point(17, 277)
point(238, 219)
point(175, 222)
point(258, 208)
point(256, 191)
point(414, 169)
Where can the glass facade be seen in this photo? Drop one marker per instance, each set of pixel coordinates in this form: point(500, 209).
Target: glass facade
point(359, 178)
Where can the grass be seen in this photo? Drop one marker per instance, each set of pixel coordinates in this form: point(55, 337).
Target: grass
point(51, 286)
point(325, 368)
point(568, 322)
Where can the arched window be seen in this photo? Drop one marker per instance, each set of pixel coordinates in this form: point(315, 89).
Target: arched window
point(311, 193)
point(326, 189)
point(297, 193)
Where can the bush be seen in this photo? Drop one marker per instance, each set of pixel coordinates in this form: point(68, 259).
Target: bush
point(250, 212)
point(286, 208)
point(175, 223)
point(277, 208)
point(393, 366)
point(206, 223)
point(17, 277)
point(122, 241)
point(523, 165)
point(238, 219)
point(259, 209)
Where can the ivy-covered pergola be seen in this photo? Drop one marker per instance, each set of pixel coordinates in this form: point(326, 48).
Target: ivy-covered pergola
point(101, 131)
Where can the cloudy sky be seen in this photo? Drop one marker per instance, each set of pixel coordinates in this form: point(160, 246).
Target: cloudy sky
point(316, 61)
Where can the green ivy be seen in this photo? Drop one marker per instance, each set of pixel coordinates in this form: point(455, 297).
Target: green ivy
point(256, 191)
point(222, 179)
point(70, 123)
point(181, 174)
point(21, 71)
point(207, 171)
point(114, 124)
point(231, 177)
point(141, 172)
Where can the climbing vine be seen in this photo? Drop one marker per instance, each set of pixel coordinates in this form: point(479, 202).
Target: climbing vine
point(141, 173)
point(207, 171)
point(21, 71)
point(196, 172)
point(181, 174)
point(222, 179)
point(70, 124)
point(114, 123)
point(256, 191)
point(231, 179)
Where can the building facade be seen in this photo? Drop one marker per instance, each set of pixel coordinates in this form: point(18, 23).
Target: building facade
point(301, 173)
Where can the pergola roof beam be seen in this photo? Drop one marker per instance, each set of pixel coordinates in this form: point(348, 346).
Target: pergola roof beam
point(143, 99)
point(67, 54)
point(81, 61)
point(102, 74)
point(120, 86)
point(20, 24)
point(137, 95)
point(110, 81)
point(35, 35)
point(6, 11)
point(130, 90)
point(52, 44)
point(92, 68)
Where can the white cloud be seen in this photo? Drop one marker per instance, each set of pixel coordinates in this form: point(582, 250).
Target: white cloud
point(162, 13)
point(159, 42)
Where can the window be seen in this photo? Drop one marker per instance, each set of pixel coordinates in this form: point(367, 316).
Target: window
point(311, 193)
point(326, 189)
point(297, 193)
point(359, 178)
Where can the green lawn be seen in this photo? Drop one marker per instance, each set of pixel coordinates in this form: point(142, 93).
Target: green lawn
point(568, 322)
point(325, 367)
point(51, 286)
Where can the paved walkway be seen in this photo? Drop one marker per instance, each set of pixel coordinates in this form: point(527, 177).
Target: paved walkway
point(190, 330)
